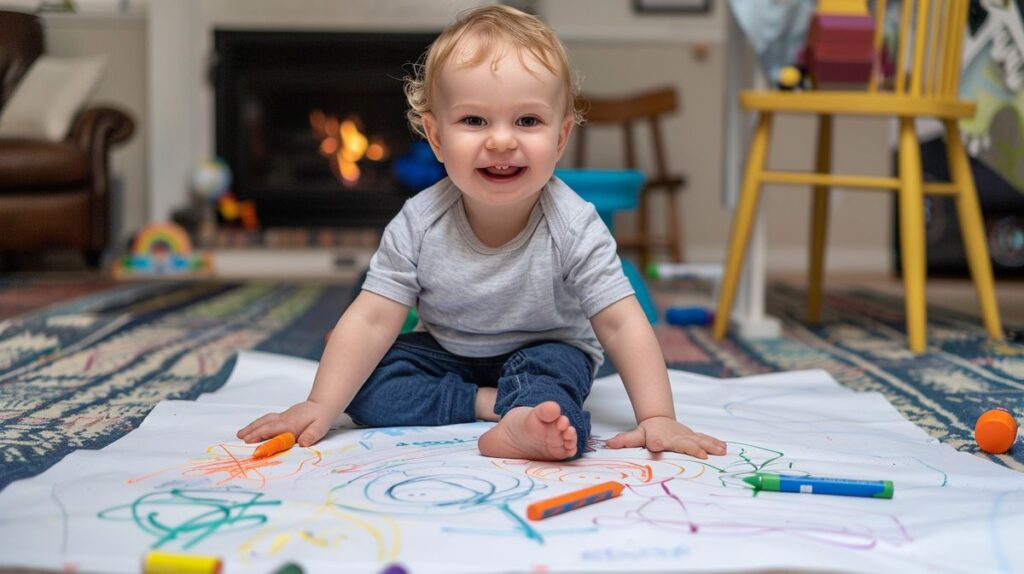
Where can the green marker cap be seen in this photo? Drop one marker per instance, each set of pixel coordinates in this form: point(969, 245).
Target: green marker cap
point(887, 490)
point(652, 271)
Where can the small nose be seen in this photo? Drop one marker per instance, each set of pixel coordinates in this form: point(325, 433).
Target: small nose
point(501, 139)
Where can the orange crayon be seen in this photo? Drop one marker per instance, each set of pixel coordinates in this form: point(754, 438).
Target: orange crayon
point(573, 500)
point(281, 442)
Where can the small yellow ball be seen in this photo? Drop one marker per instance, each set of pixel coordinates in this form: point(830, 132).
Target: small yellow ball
point(789, 77)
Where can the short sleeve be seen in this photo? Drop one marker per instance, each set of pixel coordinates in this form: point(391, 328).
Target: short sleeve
point(591, 264)
point(392, 271)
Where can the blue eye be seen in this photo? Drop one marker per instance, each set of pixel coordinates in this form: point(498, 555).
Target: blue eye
point(473, 121)
point(528, 122)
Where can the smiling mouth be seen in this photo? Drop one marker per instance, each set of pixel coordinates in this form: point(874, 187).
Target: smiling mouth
point(501, 172)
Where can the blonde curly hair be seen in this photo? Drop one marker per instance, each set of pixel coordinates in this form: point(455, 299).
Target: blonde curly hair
point(496, 27)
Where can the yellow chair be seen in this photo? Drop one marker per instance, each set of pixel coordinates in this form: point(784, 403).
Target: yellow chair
point(929, 90)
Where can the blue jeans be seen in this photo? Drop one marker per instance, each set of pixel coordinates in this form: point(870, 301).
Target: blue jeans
point(419, 383)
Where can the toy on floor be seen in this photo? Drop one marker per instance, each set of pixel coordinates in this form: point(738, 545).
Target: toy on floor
point(995, 431)
point(689, 316)
point(161, 249)
point(612, 190)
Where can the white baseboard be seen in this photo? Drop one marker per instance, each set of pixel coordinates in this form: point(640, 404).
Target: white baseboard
point(279, 263)
point(794, 259)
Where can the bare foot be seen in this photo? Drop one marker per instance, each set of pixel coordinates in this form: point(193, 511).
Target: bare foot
point(533, 433)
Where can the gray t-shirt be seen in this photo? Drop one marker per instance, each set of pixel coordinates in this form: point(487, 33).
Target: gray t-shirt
point(478, 301)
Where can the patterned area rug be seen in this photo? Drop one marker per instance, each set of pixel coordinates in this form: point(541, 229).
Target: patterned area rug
point(862, 344)
point(83, 373)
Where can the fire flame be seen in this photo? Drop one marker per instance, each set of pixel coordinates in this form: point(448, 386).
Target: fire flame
point(346, 145)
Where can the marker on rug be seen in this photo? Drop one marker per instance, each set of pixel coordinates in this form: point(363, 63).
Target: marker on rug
point(281, 442)
point(157, 562)
point(820, 485)
point(573, 500)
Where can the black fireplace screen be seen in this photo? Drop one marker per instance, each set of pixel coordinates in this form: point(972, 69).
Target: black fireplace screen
point(312, 124)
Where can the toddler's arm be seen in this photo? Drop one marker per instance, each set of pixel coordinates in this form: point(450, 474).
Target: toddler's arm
point(628, 339)
point(364, 333)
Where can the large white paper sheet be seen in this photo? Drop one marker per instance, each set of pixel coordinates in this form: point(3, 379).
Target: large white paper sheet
point(365, 498)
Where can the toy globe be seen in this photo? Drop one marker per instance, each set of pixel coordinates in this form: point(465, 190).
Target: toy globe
point(211, 179)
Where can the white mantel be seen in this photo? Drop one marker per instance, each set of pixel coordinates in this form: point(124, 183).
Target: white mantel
point(180, 46)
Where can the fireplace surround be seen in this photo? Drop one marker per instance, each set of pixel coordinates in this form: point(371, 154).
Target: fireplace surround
point(311, 122)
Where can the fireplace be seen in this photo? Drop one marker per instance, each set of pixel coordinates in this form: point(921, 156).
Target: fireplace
point(312, 123)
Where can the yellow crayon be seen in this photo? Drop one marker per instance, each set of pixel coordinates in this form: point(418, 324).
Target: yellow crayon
point(157, 562)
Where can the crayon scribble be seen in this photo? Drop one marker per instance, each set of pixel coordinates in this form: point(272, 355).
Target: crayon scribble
point(674, 505)
point(232, 463)
point(187, 517)
point(429, 488)
point(328, 528)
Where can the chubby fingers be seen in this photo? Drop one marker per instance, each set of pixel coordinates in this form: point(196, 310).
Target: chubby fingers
point(712, 444)
point(629, 439)
point(315, 431)
point(697, 444)
point(257, 429)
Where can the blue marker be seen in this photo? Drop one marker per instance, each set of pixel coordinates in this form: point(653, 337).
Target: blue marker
point(820, 485)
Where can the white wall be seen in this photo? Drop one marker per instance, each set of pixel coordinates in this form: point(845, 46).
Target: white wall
point(121, 38)
point(618, 51)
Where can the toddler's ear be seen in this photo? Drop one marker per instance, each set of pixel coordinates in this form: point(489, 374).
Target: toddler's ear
point(563, 135)
point(430, 126)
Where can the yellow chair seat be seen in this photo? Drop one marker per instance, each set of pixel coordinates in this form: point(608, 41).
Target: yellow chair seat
point(857, 103)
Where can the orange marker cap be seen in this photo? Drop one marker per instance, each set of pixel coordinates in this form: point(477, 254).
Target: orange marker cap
point(995, 431)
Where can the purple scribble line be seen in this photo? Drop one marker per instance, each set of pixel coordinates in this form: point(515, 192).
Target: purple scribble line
point(821, 534)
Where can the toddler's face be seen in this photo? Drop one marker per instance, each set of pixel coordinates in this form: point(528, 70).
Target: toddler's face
point(499, 130)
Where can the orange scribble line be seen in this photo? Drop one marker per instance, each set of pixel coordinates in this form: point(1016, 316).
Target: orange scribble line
point(237, 468)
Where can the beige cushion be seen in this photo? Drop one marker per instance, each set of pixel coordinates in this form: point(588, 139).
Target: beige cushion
point(46, 100)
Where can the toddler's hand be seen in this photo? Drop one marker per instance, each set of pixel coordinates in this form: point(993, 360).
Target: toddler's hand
point(309, 421)
point(662, 433)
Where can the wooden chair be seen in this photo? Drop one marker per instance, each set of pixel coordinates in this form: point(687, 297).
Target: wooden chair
point(627, 112)
point(929, 90)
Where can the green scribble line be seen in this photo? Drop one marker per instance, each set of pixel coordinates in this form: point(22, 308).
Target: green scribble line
point(223, 512)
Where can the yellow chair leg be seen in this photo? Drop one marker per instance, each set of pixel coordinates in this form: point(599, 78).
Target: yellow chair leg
point(972, 229)
point(911, 214)
point(743, 220)
point(819, 222)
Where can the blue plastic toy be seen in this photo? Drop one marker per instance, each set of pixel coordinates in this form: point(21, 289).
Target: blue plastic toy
point(611, 190)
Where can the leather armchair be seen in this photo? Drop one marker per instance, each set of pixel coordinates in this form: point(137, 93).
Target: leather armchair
point(54, 195)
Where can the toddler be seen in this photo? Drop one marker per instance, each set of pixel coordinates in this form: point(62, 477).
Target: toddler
point(515, 278)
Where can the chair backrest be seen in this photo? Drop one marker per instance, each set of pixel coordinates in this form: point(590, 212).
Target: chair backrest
point(648, 106)
point(21, 42)
point(930, 41)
